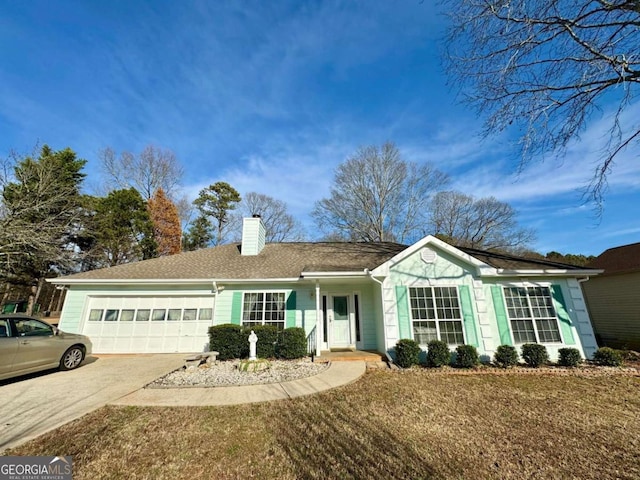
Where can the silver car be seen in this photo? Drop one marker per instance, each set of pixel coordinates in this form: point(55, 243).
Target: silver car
point(29, 345)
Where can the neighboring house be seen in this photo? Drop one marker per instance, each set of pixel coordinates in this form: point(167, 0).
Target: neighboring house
point(362, 296)
point(613, 298)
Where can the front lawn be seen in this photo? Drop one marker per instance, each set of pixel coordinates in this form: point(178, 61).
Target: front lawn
point(414, 424)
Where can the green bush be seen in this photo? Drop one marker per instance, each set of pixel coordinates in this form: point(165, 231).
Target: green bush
point(267, 339)
point(506, 356)
point(535, 354)
point(407, 353)
point(292, 343)
point(569, 357)
point(229, 340)
point(467, 356)
point(438, 353)
point(608, 357)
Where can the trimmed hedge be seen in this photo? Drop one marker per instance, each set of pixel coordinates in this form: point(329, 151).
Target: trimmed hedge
point(292, 344)
point(267, 340)
point(506, 356)
point(407, 353)
point(438, 353)
point(608, 357)
point(569, 357)
point(467, 356)
point(535, 354)
point(229, 340)
point(232, 341)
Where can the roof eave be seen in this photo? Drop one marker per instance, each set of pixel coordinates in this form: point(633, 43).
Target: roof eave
point(321, 275)
point(162, 281)
point(503, 272)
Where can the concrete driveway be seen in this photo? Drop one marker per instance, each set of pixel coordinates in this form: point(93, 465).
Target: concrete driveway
point(35, 404)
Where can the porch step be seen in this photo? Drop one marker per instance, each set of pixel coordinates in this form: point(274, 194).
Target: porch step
point(349, 356)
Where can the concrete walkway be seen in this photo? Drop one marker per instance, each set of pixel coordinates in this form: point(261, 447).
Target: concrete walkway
point(338, 374)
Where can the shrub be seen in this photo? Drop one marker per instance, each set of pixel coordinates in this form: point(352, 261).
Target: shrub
point(569, 357)
point(407, 353)
point(608, 357)
point(292, 344)
point(438, 353)
point(467, 356)
point(229, 340)
point(534, 354)
point(506, 356)
point(267, 339)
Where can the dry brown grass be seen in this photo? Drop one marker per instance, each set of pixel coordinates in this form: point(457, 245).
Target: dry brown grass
point(414, 424)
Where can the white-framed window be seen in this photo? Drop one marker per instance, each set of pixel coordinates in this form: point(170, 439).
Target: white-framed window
point(436, 315)
point(264, 308)
point(531, 314)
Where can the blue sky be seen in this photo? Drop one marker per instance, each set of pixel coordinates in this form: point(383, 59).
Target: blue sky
point(271, 96)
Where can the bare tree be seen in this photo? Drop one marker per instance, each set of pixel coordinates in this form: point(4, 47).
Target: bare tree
point(485, 223)
point(280, 226)
point(547, 66)
point(378, 196)
point(150, 170)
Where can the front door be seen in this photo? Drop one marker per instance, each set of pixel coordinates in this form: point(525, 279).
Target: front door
point(339, 316)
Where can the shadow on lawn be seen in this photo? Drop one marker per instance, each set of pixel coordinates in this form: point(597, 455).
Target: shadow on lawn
point(338, 441)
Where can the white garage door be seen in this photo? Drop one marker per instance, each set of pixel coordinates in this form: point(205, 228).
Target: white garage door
point(148, 324)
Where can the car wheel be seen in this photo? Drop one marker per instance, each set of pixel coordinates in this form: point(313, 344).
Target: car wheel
point(71, 358)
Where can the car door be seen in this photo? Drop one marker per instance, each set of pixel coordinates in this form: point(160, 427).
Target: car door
point(8, 348)
point(37, 345)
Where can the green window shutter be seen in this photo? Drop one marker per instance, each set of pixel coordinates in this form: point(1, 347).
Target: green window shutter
point(563, 315)
point(291, 310)
point(467, 315)
point(404, 320)
point(501, 315)
point(236, 308)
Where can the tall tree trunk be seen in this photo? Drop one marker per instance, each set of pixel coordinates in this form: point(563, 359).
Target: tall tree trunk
point(33, 297)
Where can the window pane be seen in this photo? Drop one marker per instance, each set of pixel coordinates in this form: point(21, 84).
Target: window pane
point(175, 314)
point(451, 332)
point(424, 332)
point(190, 314)
point(548, 330)
point(523, 331)
point(111, 315)
point(253, 306)
point(158, 315)
point(126, 315)
point(205, 314)
point(143, 315)
point(447, 302)
point(95, 315)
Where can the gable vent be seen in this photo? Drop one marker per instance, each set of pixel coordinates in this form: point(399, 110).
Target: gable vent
point(428, 256)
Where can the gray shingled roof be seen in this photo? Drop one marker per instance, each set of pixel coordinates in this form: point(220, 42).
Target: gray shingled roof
point(512, 262)
point(277, 260)
point(623, 259)
point(286, 260)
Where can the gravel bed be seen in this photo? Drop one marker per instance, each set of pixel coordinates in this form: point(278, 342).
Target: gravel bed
point(226, 373)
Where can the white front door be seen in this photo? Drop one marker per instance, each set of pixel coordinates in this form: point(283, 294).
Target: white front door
point(339, 321)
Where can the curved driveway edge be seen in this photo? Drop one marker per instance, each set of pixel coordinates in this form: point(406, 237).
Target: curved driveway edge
point(338, 374)
point(34, 404)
